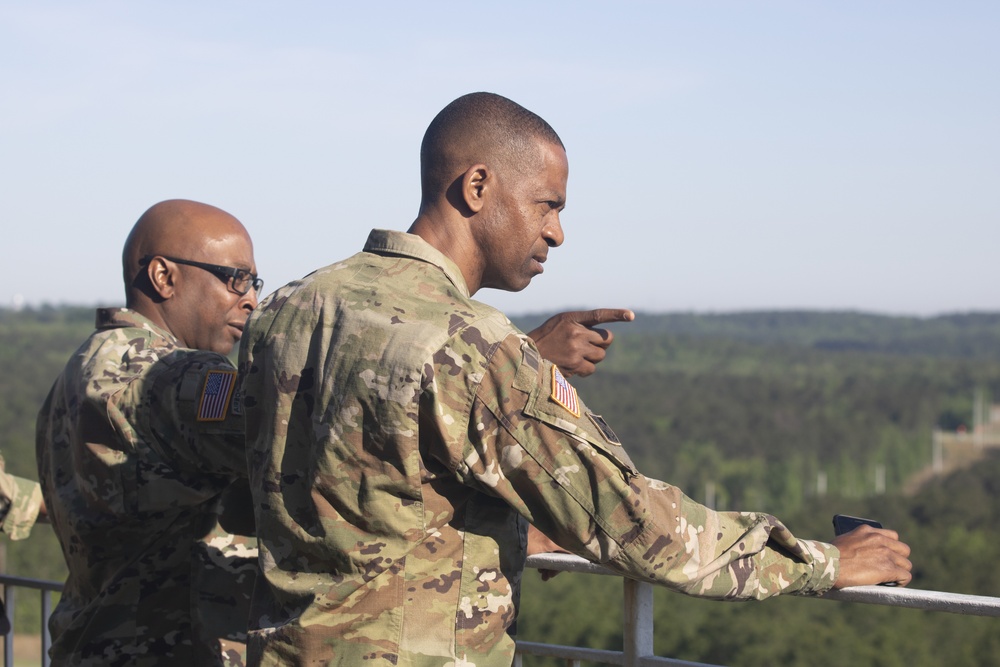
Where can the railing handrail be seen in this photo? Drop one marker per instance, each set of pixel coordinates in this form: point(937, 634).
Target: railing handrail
point(28, 582)
point(638, 633)
point(890, 596)
point(638, 612)
point(46, 588)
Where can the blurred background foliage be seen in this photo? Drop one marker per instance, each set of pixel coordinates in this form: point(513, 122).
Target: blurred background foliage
point(799, 414)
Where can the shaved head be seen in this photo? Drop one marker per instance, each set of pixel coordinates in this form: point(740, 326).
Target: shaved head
point(196, 304)
point(480, 128)
point(176, 227)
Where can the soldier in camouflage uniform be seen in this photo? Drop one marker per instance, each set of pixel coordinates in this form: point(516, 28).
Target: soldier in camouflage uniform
point(136, 443)
point(401, 436)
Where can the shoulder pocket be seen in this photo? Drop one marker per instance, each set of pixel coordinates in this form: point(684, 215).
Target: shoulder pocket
point(554, 401)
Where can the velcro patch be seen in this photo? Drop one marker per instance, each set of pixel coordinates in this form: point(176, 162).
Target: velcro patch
point(215, 395)
point(237, 403)
point(563, 392)
point(603, 427)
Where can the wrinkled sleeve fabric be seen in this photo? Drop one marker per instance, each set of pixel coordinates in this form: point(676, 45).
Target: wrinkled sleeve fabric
point(537, 446)
point(20, 501)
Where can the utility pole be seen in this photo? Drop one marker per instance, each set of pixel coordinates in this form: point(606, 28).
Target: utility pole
point(937, 458)
point(978, 418)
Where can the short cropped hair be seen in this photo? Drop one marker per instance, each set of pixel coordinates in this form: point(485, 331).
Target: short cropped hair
point(480, 128)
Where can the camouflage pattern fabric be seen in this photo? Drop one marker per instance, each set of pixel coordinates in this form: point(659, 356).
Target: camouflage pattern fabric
point(226, 574)
point(400, 434)
point(132, 480)
point(20, 500)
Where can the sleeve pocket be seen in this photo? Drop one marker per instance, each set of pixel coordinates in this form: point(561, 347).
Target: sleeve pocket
point(546, 403)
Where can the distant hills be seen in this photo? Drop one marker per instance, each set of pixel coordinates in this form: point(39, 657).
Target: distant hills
point(959, 335)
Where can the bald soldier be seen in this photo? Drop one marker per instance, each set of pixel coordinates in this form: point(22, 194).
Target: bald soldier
point(401, 436)
point(138, 440)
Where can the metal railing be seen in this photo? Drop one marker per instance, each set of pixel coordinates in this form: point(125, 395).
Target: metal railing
point(46, 589)
point(638, 608)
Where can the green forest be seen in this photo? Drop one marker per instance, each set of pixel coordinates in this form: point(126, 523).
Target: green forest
point(800, 414)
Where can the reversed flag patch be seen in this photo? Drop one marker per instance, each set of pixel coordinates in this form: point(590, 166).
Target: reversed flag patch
point(215, 395)
point(563, 392)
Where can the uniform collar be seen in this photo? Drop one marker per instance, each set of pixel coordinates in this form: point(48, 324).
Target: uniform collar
point(120, 318)
point(388, 242)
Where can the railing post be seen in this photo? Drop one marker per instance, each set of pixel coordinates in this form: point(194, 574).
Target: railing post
point(46, 635)
point(638, 621)
point(10, 595)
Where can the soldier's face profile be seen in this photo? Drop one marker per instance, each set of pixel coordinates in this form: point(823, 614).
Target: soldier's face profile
point(211, 314)
point(524, 221)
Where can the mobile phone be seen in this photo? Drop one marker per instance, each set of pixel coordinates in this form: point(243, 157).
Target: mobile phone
point(842, 523)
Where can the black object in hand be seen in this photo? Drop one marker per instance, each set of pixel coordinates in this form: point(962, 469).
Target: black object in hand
point(842, 523)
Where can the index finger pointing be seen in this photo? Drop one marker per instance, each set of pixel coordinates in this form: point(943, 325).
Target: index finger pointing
point(589, 318)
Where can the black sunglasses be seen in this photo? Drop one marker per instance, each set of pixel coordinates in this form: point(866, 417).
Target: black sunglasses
point(240, 280)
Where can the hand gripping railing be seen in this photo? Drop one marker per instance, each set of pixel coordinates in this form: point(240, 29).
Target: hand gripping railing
point(638, 603)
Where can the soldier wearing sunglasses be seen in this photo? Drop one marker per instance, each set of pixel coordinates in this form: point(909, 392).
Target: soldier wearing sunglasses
point(138, 441)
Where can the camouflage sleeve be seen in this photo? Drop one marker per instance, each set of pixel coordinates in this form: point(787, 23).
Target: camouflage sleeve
point(20, 500)
point(533, 442)
point(192, 415)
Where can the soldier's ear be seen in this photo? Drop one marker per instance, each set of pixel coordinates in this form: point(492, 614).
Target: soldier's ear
point(162, 276)
point(476, 183)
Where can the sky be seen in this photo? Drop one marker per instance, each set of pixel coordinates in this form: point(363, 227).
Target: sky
point(724, 156)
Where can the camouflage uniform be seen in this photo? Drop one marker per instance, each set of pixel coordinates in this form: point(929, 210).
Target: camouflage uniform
point(135, 443)
point(20, 500)
point(400, 433)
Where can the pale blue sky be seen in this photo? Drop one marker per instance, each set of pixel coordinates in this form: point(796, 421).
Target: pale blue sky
point(723, 155)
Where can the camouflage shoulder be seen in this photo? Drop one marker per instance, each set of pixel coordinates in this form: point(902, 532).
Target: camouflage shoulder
point(204, 384)
point(20, 502)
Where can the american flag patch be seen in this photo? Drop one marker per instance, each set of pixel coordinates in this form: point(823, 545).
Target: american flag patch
point(215, 395)
point(563, 392)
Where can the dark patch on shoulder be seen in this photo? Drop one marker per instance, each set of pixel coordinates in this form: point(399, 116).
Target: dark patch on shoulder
point(275, 304)
point(296, 383)
point(444, 361)
point(455, 323)
point(474, 337)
